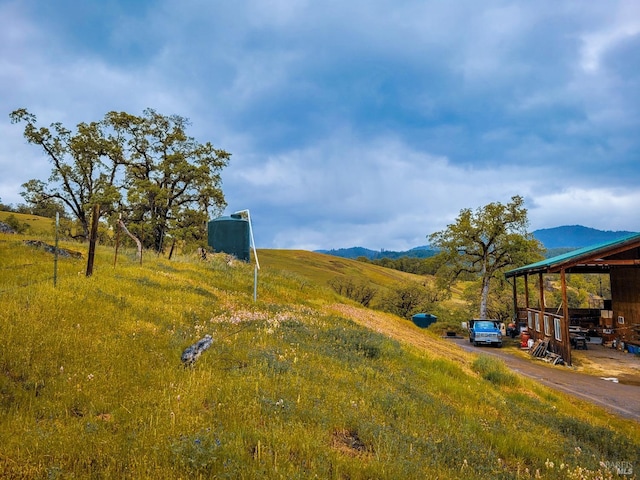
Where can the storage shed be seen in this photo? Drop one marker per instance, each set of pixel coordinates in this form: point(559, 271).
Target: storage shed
point(619, 316)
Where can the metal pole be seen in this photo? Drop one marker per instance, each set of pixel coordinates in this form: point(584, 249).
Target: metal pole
point(255, 283)
point(55, 253)
point(255, 255)
point(253, 243)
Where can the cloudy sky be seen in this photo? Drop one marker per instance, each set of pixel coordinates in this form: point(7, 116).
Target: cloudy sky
point(354, 122)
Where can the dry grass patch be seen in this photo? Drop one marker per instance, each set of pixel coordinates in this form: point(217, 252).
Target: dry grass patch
point(348, 443)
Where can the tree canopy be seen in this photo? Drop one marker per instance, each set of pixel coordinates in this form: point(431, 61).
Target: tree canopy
point(144, 168)
point(484, 243)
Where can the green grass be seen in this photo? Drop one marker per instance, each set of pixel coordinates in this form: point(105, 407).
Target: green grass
point(34, 224)
point(91, 384)
point(320, 268)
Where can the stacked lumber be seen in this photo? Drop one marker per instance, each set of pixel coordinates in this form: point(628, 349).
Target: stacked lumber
point(540, 350)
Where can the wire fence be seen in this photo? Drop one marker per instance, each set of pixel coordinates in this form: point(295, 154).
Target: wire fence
point(62, 264)
point(23, 275)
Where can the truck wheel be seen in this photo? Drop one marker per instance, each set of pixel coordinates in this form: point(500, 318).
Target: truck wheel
point(500, 345)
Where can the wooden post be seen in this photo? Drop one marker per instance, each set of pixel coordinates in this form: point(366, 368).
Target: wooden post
point(515, 301)
point(92, 238)
point(540, 335)
point(541, 292)
point(566, 341)
point(173, 245)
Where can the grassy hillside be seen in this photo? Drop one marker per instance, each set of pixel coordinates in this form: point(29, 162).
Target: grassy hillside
point(320, 268)
point(34, 224)
point(294, 386)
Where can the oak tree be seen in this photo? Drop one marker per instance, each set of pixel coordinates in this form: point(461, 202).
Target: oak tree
point(484, 243)
point(146, 168)
point(85, 165)
point(172, 181)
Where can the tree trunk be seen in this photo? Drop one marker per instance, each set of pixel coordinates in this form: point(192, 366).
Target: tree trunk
point(135, 239)
point(484, 294)
point(484, 297)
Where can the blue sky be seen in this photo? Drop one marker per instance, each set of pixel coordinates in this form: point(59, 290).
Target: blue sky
point(353, 123)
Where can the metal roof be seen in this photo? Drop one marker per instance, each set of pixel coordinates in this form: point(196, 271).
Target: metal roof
point(589, 259)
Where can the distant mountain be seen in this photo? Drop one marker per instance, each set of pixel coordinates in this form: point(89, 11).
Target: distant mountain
point(556, 240)
point(355, 252)
point(575, 236)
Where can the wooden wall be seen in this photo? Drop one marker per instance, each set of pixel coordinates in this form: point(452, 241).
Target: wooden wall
point(625, 296)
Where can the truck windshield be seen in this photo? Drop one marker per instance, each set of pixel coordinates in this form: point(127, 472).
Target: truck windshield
point(484, 325)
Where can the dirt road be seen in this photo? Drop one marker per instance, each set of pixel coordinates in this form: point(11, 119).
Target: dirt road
point(618, 398)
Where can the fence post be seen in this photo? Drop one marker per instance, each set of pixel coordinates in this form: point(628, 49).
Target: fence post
point(55, 252)
point(92, 238)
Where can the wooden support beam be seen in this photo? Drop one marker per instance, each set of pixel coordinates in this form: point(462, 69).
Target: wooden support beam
point(627, 263)
point(566, 341)
point(541, 292)
point(515, 300)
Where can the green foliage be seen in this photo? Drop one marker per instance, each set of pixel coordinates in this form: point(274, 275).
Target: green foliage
point(359, 290)
point(32, 225)
point(450, 318)
point(409, 298)
point(43, 207)
point(143, 167)
point(417, 266)
point(499, 304)
point(16, 225)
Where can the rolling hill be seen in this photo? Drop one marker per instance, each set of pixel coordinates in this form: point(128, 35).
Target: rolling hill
point(575, 236)
point(355, 252)
point(320, 268)
point(300, 383)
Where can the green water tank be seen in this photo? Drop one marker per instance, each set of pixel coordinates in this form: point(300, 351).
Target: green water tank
point(230, 235)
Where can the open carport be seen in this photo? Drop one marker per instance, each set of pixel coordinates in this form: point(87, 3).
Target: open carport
point(619, 317)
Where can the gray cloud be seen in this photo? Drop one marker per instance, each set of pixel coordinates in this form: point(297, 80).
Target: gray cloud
point(366, 123)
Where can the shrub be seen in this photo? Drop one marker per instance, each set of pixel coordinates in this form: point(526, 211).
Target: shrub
point(494, 370)
point(15, 224)
point(358, 290)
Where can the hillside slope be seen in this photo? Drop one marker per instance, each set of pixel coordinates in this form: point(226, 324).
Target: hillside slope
point(293, 386)
point(320, 268)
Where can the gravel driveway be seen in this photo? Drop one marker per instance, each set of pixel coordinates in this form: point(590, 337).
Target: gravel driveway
point(621, 399)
